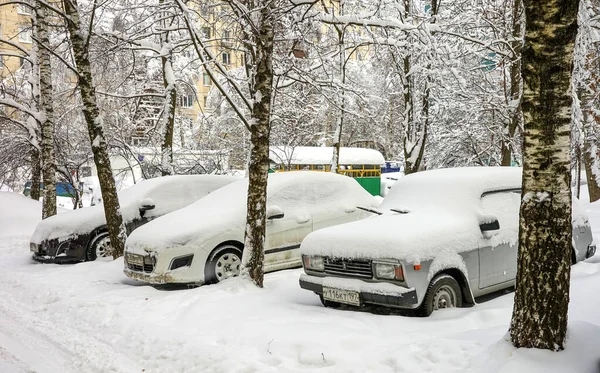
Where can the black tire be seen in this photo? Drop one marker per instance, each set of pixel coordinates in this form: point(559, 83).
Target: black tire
point(222, 263)
point(443, 292)
point(91, 253)
point(328, 303)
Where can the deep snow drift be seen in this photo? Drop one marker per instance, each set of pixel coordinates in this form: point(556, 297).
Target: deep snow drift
point(90, 318)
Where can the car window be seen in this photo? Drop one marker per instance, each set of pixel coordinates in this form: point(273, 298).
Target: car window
point(504, 205)
point(293, 198)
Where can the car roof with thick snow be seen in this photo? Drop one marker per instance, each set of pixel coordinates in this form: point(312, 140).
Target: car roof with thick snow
point(225, 209)
point(440, 213)
point(168, 193)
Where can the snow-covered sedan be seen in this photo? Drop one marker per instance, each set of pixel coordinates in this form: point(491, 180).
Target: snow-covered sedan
point(81, 235)
point(443, 238)
point(203, 242)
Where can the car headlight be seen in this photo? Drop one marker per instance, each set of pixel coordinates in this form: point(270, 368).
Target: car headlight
point(313, 263)
point(388, 271)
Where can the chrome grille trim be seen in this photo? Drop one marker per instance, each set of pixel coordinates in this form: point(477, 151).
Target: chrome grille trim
point(349, 267)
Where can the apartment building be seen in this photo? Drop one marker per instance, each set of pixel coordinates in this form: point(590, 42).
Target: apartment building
point(15, 27)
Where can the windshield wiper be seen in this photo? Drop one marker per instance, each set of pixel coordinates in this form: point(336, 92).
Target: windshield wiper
point(400, 211)
point(371, 210)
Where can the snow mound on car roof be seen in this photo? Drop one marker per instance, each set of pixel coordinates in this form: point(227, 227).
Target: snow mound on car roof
point(442, 212)
point(225, 209)
point(168, 193)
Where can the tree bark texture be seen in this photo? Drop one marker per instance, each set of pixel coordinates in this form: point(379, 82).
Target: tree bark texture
point(339, 122)
point(46, 111)
point(258, 168)
point(415, 133)
point(514, 94)
point(591, 120)
point(166, 148)
point(36, 173)
point(168, 119)
point(539, 317)
point(114, 220)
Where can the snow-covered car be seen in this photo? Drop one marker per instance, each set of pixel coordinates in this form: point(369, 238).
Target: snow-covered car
point(203, 242)
point(81, 235)
point(443, 237)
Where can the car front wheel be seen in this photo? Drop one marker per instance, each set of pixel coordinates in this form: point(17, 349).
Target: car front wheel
point(443, 292)
point(224, 262)
point(99, 248)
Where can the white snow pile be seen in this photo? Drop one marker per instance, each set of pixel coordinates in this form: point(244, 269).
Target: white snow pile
point(224, 211)
point(116, 325)
point(442, 213)
point(312, 155)
point(18, 215)
point(168, 193)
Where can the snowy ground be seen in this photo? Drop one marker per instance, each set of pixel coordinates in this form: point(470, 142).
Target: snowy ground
point(90, 318)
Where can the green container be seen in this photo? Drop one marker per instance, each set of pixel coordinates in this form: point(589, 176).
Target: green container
point(371, 184)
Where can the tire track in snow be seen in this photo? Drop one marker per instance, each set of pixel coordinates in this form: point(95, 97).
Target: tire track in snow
point(44, 342)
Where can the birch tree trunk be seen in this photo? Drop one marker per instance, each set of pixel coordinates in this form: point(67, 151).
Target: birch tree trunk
point(44, 93)
point(415, 134)
point(339, 122)
point(258, 168)
point(591, 120)
point(168, 125)
point(114, 220)
point(36, 173)
point(539, 317)
point(514, 95)
point(166, 148)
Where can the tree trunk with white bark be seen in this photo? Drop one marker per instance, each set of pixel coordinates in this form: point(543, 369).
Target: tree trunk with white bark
point(79, 41)
point(46, 117)
point(258, 168)
point(539, 317)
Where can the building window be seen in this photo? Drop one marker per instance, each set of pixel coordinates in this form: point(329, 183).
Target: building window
point(226, 58)
point(205, 80)
point(206, 32)
point(21, 61)
point(186, 99)
point(25, 34)
point(205, 101)
point(1, 61)
point(23, 9)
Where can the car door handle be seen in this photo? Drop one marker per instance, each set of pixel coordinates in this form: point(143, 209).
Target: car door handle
point(302, 220)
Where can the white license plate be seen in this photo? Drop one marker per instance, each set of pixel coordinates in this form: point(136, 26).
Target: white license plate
point(341, 296)
point(135, 259)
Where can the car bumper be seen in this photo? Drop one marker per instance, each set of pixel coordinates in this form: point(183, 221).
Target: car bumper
point(55, 259)
point(155, 278)
point(591, 251)
point(401, 298)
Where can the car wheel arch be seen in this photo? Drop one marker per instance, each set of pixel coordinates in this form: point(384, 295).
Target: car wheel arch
point(214, 251)
point(465, 288)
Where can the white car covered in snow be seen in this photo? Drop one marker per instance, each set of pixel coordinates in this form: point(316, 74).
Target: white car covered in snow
point(443, 237)
point(203, 243)
point(81, 235)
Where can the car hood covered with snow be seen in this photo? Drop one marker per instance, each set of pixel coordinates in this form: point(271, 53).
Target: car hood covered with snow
point(169, 193)
point(436, 212)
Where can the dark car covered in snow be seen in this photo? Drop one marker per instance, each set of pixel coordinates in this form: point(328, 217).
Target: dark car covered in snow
point(82, 235)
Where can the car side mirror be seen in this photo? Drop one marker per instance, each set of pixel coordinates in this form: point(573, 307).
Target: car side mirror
point(493, 225)
point(145, 205)
point(274, 212)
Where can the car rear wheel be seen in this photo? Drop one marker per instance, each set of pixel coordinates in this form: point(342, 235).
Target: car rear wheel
point(99, 248)
point(443, 292)
point(224, 262)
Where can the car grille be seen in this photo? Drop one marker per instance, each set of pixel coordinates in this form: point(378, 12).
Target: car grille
point(138, 268)
point(138, 263)
point(349, 267)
